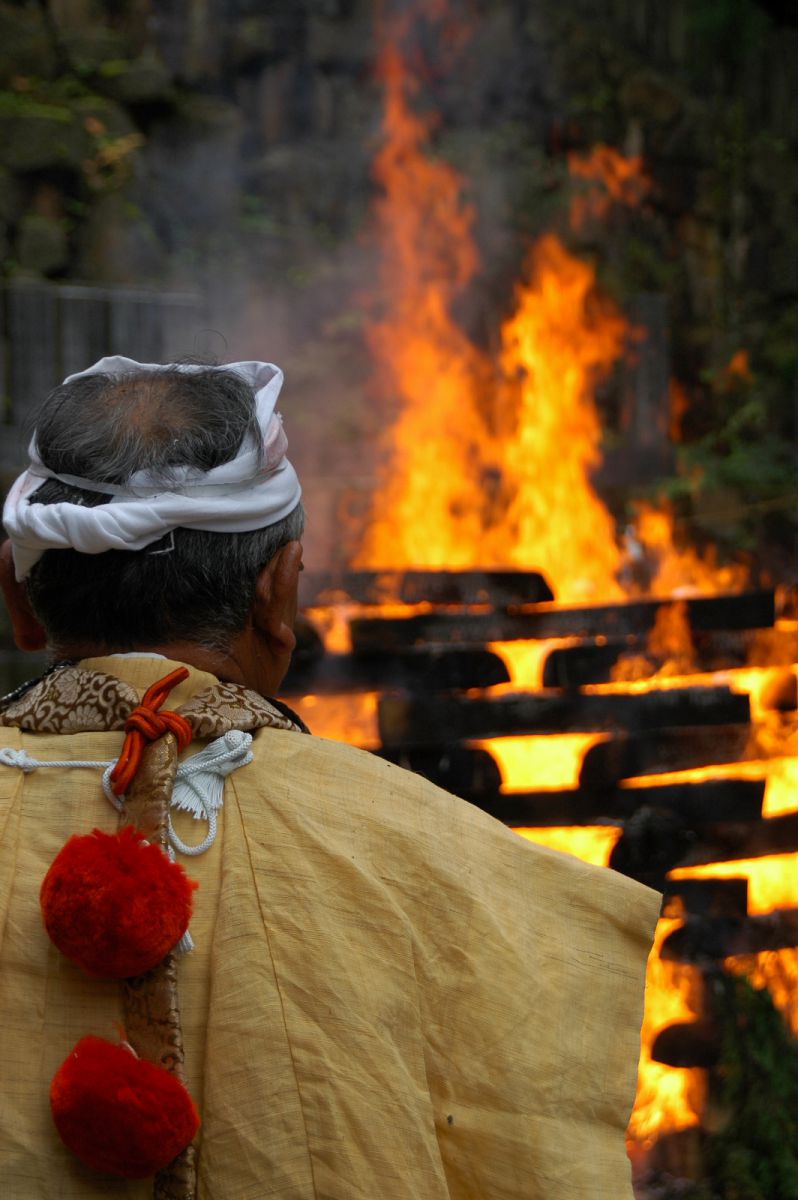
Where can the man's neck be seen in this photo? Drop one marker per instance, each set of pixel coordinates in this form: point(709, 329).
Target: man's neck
point(205, 658)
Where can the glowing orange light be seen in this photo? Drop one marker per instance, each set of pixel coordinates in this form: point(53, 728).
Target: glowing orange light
point(772, 881)
point(530, 764)
point(668, 1098)
point(682, 570)
point(591, 843)
point(476, 474)
point(738, 369)
point(612, 178)
point(348, 718)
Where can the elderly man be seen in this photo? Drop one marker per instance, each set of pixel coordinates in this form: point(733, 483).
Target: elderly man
point(390, 996)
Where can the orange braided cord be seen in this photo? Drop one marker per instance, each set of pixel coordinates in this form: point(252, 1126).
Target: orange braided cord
point(146, 724)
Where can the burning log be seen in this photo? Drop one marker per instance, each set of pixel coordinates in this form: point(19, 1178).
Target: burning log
point(466, 772)
point(688, 1044)
point(721, 843)
point(696, 807)
point(497, 588)
point(745, 610)
point(426, 669)
point(418, 721)
point(706, 897)
point(626, 755)
point(702, 939)
point(715, 650)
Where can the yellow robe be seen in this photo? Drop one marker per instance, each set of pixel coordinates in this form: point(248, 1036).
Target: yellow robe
point(392, 996)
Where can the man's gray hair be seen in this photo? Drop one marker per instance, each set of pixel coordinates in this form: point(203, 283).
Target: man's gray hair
point(191, 585)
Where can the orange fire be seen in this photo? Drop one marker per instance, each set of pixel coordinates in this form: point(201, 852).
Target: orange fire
point(431, 511)
point(738, 369)
point(560, 341)
point(670, 649)
point(682, 570)
point(592, 843)
point(772, 885)
point(611, 178)
point(348, 718)
point(531, 764)
point(477, 473)
point(668, 1098)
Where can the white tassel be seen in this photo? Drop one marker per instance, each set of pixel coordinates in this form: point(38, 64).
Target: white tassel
point(199, 784)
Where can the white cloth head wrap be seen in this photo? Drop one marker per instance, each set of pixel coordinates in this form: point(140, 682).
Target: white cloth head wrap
point(257, 488)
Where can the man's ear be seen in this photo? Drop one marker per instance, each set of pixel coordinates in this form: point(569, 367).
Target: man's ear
point(28, 633)
point(274, 610)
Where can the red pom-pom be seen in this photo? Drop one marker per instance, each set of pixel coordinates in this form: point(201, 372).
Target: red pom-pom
point(118, 1113)
point(114, 904)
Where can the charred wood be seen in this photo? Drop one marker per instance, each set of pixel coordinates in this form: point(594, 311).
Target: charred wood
point(715, 650)
point(415, 721)
point(429, 670)
point(706, 898)
point(464, 772)
point(702, 939)
point(625, 756)
point(497, 588)
point(688, 1044)
point(693, 807)
point(746, 610)
point(309, 650)
point(730, 841)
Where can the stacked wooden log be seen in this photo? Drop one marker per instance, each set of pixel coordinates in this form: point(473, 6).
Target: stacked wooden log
point(437, 677)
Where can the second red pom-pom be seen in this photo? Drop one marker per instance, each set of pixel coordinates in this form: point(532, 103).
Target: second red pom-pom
point(114, 904)
point(119, 1113)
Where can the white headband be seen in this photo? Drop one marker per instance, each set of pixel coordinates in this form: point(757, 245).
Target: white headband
point(257, 488)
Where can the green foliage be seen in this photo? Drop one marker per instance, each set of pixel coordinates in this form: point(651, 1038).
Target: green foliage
point(728, 27)
point(23, 106)
point(755, 1156)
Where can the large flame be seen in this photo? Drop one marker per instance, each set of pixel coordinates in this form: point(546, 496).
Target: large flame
point(484, 469)
point(560, 341)
point(430, 511)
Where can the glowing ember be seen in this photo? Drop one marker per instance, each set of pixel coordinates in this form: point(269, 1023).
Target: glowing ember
point(611, 178)
point(670, 649)
point(592, 843)
point(525, 660)
point(772, 881)
point(777, 971)
point(682, 571)
point(781, 790)
point(668, 1098)
point(348, 718)
point(539, 763)
point(738, 369)
point(332, 623)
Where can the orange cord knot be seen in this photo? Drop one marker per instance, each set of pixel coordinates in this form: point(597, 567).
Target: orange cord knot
point(147, 724)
